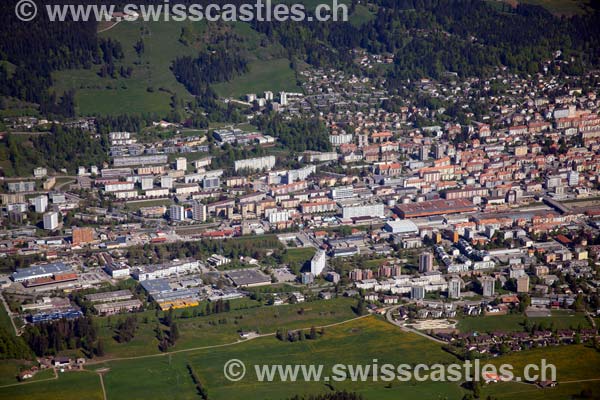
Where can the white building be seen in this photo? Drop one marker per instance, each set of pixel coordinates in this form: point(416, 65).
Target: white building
point(317, 264)
point(40, 172)
point(199, 212)
point(147, 182)
point(363, 210)
point(51, 220)
point(283, 98)
point(181, 164)
point(177, 213)
point(454, 286)
point(166, 182)
point(301, 174)
point(256, 164)
point(156, 271)
point(573, 178)
point(41, 204)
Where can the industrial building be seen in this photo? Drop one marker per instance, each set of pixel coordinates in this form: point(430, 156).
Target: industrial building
point(40, 271)
point(155, 271)
point(434, 207)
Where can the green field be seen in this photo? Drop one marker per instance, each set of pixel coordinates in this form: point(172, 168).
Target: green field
point(514, 322)
point(360, 341)
point(152, 83)
point(577, 364)
point(274, 75)
point(298, 255)
point(96, 95)
point(69, 386)
point(134, 206)
point(340, 344)
point(223, 328)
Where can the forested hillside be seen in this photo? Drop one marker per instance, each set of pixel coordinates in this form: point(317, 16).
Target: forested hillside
point(427, 37)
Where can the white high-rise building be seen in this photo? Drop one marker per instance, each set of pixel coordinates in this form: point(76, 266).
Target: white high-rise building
point(425, 262)
point(166, 182)
point(199, 212)
point(41, 204)
point(181, 164)
point(283, 98)
point(573, 178)
point(147, 182)
point(177, 213)
point(269, 95)
point(487, 285)
point(454, 286)
point(317, 264)
point(51, 220)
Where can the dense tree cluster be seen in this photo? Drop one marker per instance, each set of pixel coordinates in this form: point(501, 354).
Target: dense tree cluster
point(52, 337)
point(209, 67)
point(61, 148)
point(126, 328)
point(256, 247)
point(298, 134)
point(36, 50)
point(429, 37)
point(11, 346)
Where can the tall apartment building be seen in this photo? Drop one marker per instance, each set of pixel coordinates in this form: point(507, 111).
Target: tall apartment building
point(454, 286)
point(425, 262)
point(199, 211)
point(317, 264)
point(40, 203)
point(181, 164)
point(487, 284)
point(523, 284)
point(51, 220)
point(177, 213)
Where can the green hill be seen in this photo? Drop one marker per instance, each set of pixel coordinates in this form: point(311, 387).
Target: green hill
point(151, 84)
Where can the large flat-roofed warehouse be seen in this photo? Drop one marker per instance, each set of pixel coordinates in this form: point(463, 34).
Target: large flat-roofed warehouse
point(434, 207)
point(40, 271)
point(118, 306)
point(248, 278)
point(109, 296)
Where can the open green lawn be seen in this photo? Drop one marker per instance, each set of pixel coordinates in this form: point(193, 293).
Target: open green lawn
point(96, 95)
point(274, 75)
point(69, 386)
point(223, 328)
point(298, 255)
point(514, 322)
point(134, 206)
point(357, 342)
point(152, 83)
point(573, 363)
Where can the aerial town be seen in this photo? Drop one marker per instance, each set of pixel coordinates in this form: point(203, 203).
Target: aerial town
point(478, 219)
